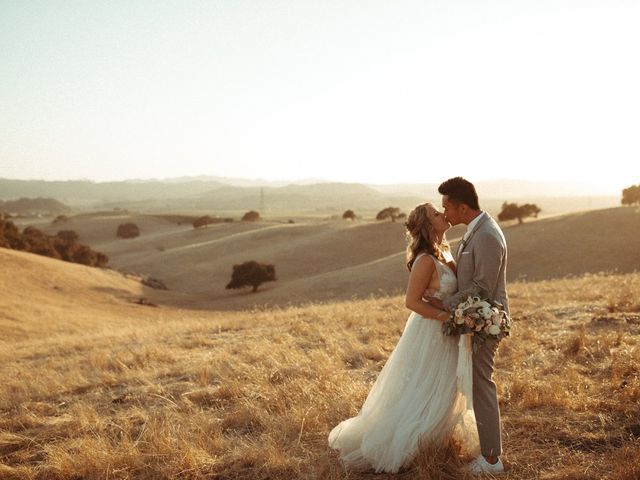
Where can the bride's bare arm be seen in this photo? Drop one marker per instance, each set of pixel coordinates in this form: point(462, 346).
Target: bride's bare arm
point(419, 280)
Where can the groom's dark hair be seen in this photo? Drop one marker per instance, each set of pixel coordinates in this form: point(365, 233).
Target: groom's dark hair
point(459, 191)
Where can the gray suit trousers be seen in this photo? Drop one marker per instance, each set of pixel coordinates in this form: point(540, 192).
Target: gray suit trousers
point(485, 400)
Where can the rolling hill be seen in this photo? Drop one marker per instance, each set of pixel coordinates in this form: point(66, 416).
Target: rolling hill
point(606, 240)
point(40, 292)
point(340, 260)
point(227, 196)
point(209, 195)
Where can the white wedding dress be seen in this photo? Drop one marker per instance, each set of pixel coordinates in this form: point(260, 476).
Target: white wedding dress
point(423, 393)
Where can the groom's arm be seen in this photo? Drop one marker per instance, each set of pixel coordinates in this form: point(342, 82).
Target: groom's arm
point(488, 255)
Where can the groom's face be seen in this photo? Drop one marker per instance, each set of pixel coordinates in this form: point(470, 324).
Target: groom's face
point(451, 210)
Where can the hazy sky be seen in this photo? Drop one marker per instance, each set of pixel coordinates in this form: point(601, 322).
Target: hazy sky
point(368, 91)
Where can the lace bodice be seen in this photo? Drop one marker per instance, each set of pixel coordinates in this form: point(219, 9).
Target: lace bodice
point(448, 280)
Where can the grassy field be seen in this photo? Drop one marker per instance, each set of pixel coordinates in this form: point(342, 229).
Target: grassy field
point(95, 386)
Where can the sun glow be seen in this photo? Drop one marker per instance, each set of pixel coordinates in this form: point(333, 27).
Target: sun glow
point(409, 92)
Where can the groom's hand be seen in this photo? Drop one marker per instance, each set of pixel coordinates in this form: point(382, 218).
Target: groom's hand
point(436, 302)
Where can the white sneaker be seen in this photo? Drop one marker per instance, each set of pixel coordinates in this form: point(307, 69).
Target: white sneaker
point(480, 466)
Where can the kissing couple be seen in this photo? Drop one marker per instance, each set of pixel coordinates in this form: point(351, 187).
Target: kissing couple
point(427, 393)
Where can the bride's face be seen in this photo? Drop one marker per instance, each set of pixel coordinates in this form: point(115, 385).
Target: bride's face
point(437, 219)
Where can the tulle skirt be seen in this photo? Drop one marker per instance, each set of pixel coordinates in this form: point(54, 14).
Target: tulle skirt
point(420, 395)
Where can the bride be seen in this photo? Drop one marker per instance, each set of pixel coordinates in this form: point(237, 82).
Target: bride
point(421, 394)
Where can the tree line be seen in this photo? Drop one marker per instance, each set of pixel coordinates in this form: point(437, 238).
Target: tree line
point(63, 245)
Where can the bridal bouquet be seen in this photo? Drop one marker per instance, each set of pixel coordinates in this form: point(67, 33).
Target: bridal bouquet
point(480, 317)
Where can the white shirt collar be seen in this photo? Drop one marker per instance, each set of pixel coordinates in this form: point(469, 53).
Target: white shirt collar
point(472, 224)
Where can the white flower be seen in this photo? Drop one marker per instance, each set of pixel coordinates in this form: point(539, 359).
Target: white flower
point(485, 311)
point(459, 312)
point(494, 330)
point(459, 320)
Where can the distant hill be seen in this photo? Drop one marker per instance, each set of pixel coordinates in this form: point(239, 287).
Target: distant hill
point(206, 195)
point(244, 182)
point(230, 196)
point(88, 192)
point(33, 206)
point(336, 197)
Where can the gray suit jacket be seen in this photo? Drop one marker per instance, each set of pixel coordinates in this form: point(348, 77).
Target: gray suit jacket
point(482, 265)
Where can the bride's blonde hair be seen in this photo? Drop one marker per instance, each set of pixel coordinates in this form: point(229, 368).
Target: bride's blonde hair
point(421, 236)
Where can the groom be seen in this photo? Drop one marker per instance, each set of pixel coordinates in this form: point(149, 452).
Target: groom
point(481, 265)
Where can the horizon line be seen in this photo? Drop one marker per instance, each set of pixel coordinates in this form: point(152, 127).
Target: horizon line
point(210, 177)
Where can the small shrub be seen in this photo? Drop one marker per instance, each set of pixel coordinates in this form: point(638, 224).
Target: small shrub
point(10, 236)
point(349, 215)
point(631, 195)
point(207, 220)
point(84, 255)
point(128, 230)
point(38, 242)
point(203, 221)
point(102, 260)
point(251, 216)
point(67, 236)
point(252, 274)
point(513, 211)
point(392, 213)
point(63, 246)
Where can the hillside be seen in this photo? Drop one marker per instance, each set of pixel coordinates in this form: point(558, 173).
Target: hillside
point(87, 192)
point(588, 242)
point(95, 386)
point(341, 260)
point(40, 292)
point(33, 206)
point(100, 228)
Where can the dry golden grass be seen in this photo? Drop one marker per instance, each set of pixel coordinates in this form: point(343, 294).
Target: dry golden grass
point(108, 389)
